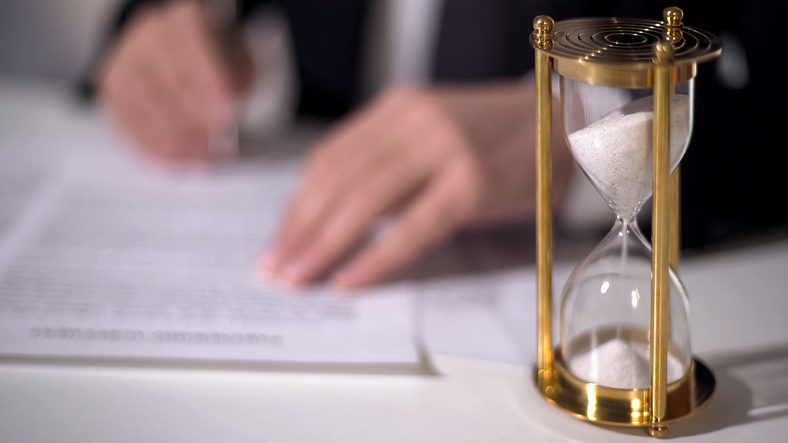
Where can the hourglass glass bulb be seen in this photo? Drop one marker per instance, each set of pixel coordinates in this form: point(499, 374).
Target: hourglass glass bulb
point(606, 303)
point(605, 314)
point(614, 150)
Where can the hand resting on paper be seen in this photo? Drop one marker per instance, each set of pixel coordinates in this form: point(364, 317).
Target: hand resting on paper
point(433, 161)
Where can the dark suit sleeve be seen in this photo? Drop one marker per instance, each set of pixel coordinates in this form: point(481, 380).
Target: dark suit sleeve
point(327, 37)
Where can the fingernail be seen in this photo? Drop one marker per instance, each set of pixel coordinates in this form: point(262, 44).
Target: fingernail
point(265, 269)
point(292, 288)
point(346, 279)
point(267, 263)
point(293, 273)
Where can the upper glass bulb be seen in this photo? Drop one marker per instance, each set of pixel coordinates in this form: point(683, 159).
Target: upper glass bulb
point(609, 131)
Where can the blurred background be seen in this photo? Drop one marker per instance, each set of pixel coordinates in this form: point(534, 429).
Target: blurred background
point(51, 38)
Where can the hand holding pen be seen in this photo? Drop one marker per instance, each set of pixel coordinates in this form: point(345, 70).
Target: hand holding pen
point(175, 78)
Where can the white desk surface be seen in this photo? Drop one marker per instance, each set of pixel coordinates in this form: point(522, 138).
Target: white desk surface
point(739, 305)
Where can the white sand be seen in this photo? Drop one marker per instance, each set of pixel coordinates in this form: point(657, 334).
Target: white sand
point(620, 364)
point(615, 151)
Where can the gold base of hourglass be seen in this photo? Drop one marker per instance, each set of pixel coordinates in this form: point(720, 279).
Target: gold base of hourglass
point(624, 407)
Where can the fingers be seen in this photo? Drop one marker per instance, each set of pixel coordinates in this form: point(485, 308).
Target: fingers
point(351, 220)
point(434, 216)
point(334, 181)
point(401, 149)
point(164, 85)
point(363, 154)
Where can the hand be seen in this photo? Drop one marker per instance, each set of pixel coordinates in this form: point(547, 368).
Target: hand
point(436, 160)
point(166, 86)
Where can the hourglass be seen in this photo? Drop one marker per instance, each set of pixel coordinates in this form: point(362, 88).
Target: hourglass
point(626, 93)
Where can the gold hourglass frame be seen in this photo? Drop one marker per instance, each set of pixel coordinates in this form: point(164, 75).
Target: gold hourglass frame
point(670, 53)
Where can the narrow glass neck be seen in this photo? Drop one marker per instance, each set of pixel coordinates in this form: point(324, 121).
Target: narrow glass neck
point(628, 228)
point(629, 215)
point(623, 224)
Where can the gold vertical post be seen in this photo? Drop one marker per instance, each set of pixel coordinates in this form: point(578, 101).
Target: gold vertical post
point(675, 218)
point(660, 289)
point(673, 17)
point(543, 28)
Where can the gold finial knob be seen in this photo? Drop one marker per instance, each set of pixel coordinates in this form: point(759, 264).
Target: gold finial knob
point(543, 31)
point(543, 24)
point(659, 431)
point(673, 16)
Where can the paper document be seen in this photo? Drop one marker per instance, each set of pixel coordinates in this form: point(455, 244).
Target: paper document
point(100, 258)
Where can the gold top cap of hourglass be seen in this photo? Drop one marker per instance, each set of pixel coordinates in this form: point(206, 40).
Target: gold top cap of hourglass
point(619, 52)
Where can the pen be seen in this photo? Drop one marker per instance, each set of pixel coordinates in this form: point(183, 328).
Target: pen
point(224, 21)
